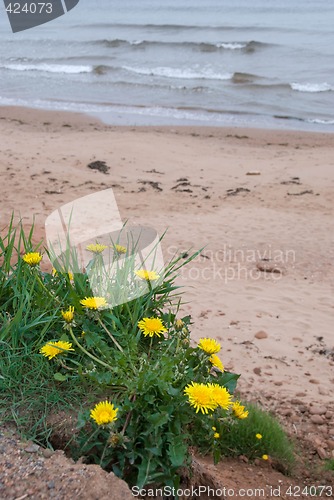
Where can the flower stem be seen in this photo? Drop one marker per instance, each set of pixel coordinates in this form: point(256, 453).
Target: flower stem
point(133, 398)
point(90, 438)
point(170, 345)
point(53, 297)
point(110, 335)
point(97, 360)
point(65, 366)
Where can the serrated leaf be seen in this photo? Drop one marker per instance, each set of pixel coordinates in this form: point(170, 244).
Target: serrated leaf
point(143, 469)
point(172, 391)
point(177, 451)
point(158, 419)
point(229, 380)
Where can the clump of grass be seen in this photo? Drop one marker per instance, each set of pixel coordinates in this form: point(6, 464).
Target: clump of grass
point(29, 311)
point(260, 435)
point(29, 393)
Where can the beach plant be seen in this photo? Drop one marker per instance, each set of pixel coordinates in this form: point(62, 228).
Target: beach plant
point(145, 395)
point(152, 388)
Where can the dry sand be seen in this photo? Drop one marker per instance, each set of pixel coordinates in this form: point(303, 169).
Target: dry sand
point(194, 182)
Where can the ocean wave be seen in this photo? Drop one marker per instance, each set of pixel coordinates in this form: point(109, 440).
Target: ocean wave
point(247, 46)
point(101, 69)
point(49, 68)
point(320, 121)
point(155, 27)
point(239, 77)
point(311, 87)
point(185, 74)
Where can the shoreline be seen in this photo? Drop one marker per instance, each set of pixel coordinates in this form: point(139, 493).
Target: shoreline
point(21, 113)
point(199, 184)
point(120, 119)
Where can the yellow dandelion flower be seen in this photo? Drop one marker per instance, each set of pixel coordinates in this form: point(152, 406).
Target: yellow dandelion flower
point(104, 413)
point(147, 275)
point(96, 247)
point(258, 436)
point(119, 248)
point(200, 397)
point(216, 435)
point(210, 346)
point(32, 258)
point(68, 315)
point(94, 302)
point(52, 349)
point(265, 457)
point(221, 396)
point(239, 410)
point(215, 361)
point(151, 327)
point(213, 428)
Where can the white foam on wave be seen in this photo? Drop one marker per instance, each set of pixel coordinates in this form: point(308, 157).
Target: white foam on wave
point(49, 68)
point(231, 45)
point(186, 74)
point(320, 121)
point(311, 87)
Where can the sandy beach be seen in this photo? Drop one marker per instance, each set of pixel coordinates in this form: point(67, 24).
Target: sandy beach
point(260, 202)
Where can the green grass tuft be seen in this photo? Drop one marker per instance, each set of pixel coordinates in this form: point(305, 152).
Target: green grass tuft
point(239, 438)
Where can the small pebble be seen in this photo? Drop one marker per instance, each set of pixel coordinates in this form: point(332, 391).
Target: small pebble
point(317, 419)
point(261, 335)
point(47, 453)
point(317, 410)
point(32, 448)
point(321, 452)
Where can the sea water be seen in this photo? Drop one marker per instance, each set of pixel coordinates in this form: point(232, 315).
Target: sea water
point(265, 63)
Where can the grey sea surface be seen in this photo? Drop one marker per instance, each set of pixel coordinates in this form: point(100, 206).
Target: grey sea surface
point(265, 63)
